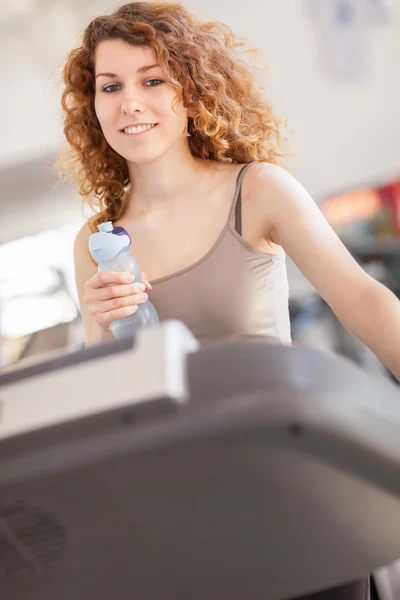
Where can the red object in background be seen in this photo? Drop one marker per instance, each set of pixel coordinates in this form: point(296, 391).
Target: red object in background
point(390, 195)
point(366, 212)
point(352, 207)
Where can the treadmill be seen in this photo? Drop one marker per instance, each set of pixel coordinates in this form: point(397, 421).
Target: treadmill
point(155, 468)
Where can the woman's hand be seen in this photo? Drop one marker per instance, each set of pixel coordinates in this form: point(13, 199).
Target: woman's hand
point(110, 296)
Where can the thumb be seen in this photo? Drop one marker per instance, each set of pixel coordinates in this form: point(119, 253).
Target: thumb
point(143, 279)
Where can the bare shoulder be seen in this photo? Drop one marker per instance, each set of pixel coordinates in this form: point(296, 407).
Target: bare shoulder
point(265, 190)
point(266, 180)
point(276, 196)
point(82, 237)
point(84, 265)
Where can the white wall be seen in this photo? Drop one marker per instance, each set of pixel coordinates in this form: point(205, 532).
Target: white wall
point(30, 77)
point(347, 131)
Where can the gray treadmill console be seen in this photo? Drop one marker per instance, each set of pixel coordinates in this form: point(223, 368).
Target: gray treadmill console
point(243, 470)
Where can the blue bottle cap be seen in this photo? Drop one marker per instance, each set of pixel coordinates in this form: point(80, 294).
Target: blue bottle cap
point(108, 242)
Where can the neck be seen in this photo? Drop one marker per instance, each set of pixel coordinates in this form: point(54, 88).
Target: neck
point(163, 183)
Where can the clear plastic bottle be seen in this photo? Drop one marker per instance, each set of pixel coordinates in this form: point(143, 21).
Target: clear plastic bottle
point(110, 249)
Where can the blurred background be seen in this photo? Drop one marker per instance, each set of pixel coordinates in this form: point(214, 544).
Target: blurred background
point(334, 74)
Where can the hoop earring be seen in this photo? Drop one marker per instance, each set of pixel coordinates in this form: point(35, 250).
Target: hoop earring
point(185, 132)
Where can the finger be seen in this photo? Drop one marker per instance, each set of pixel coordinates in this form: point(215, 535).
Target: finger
point(117, 303)
point(94, 295)
point(104, 278)
point(106, 318)
point(144, 279)
point(118, 291)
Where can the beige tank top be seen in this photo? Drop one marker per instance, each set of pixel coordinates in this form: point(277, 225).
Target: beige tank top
point(233, 292)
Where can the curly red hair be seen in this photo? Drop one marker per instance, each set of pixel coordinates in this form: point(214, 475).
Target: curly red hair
point(234, 120)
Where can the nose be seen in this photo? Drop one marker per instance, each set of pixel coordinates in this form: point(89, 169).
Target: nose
point(132, 103)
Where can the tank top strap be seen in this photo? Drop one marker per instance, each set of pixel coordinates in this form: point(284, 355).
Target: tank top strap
point(236, 208)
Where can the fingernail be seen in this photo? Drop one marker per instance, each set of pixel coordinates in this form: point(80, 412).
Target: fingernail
point(149, 284)
point(132, 309)
point(130, 277)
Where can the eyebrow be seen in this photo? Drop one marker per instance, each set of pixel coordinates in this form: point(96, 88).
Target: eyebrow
point(140, 70)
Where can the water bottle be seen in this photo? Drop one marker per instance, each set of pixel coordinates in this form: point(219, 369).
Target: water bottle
point(110, 249)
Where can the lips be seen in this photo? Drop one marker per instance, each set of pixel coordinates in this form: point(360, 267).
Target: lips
point(138, 129)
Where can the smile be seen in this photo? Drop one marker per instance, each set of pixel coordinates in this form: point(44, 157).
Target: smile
point(139, 130)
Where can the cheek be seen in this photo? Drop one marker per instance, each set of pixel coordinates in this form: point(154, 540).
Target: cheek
point(98, 111)
point(103, 111)
point(178, 116)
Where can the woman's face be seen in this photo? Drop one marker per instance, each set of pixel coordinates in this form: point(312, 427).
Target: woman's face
point(133, 102)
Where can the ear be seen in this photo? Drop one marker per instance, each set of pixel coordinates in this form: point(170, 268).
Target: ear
point(192, 111)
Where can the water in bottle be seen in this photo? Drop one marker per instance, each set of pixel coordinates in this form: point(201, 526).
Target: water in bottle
point(110, 248)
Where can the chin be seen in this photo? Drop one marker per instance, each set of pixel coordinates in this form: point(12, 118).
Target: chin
point(143, 157)
point(143, 154)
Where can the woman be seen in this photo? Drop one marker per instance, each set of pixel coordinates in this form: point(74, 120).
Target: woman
point(173, 139)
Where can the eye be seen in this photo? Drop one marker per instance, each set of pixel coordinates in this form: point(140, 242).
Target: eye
point(107, 88)
point(153, 82)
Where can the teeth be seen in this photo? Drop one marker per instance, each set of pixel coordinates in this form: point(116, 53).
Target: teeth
point(138, 129)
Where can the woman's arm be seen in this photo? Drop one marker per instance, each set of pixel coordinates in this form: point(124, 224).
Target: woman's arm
point(84, 270)
point(293, 220)
point(377, 324)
